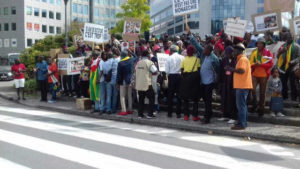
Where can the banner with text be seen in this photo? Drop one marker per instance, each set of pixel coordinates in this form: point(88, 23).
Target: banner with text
point(236, 27)
point(182, 7)
point(162, 59)
point(267, 21)
point(93, 33)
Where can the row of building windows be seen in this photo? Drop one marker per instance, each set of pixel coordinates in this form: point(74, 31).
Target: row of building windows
point(80, 19)
point(8, 27)
point(108, 2)
point(37, 12)
point(8, 11)
point(105, 13)
point(36, 27)
point(80, 9)
point(58, 2)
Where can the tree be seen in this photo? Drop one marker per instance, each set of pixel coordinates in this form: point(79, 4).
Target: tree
point(135, 9)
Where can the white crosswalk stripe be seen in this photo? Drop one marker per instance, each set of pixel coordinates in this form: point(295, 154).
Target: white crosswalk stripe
point(68, 152)
point(6, 164)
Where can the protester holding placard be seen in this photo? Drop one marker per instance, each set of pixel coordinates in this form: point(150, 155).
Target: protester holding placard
point(53, 79)
point(261, 61)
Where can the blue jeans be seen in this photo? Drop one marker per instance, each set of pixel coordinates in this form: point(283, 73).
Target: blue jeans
point(111, 97)
point(241, 103)
point(53, 92)
point(102, 96)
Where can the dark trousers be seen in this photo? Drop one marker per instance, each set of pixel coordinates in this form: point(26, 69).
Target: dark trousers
point(262, 82)
point(173, 88)
point(67, 84)
point(76, 85)
point(207, 97)
point(288, 76)
point(186, 107)
point(150, 95)
point(43, 88)
point(84, 87)
point(228, 101)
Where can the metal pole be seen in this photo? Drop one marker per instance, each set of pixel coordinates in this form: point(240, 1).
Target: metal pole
point(66, 24)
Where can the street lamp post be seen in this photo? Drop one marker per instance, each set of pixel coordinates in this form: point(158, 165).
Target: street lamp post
point(66, 24)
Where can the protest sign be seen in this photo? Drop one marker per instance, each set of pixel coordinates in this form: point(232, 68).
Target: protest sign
point(295, 25)
point(162, 59)
point(124, 46)
point(62, 63)
point(183, 7)
point(74, 65)
point(267, 21)
point(236, 27)
point(93, 33)
point(283, 5)
point(106, 35)
point(132, 29)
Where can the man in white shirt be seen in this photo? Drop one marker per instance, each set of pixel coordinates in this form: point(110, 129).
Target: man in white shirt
point(173, 70)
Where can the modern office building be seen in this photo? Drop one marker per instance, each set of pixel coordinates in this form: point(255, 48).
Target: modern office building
point(101, 12)
point(24, 22)
point(209, 19)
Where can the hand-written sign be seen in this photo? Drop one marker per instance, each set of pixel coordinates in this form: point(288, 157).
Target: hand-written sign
point(132, 29)
point(63, 63)
point(236, 27)
point(93, 33)
point(182, 7)
point(162, 59)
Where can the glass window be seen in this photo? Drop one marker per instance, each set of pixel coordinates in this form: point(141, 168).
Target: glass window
point(36, 41)
point(96, 11)
point(113, 13)
point(13, 26)
point(260, 1)
point(260, 10)
point(6, 11)
point(58, 30)
point(106, 2)
point(0, 12)
point(51, 1)
point(44, 28)
point(74, 8)
point(44, 1)
point(51, 29)
point(29, 42)
point(58, 15)
point(171, 31)
point(107, 13)
point(6, 27)
point(86, 9)
point(28, 10)
point(36, 12)
point(79, 8)
point(58, 2)
point(51, 15)
point(178, 29)
point(44, 13)
point(0, 27)
point(118, 2)
point(13, 10)
point(112, 2)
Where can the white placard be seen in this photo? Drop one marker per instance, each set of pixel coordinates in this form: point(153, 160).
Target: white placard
point(236, 27)
point(162, 59)
point(93, 33)
point(1, 43)
point(62, 63)
point(182, 7)
point(13, 42)
point(106, 35)
point(267, 21)
point(75, 65)
point(296, 26)
point(6, 43)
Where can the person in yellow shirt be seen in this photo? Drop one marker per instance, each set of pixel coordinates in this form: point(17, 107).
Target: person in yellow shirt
point(242, 83)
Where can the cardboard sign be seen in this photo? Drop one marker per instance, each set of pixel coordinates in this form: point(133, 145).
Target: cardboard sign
point(93, 33)
point(62, 63)
point(132, 29)
point(267, 21)
point(283, 5)
point(183, 7)
point(295, 25)
point(162, 59)
point(74, 65)
point(54, 53)
point(236, 27)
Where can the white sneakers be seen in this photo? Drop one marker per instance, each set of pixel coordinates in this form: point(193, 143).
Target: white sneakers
point(231, 121)
point(277, 115)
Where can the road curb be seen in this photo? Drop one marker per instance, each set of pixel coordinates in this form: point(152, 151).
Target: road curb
point(185, 127)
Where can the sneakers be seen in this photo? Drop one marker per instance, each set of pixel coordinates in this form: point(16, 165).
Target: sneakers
point(150, 116)
point(273, 114)
point(196, 118)
point(231, 121)
point(280, 114)
point(122, 113)
point(186, 118)
point(129, 112)
point(155, 112)
point(51, 101)
point(223, 119)
point(237, 127)
point(141, 116)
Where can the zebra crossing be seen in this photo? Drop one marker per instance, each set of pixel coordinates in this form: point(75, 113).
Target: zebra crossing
point(81, 142)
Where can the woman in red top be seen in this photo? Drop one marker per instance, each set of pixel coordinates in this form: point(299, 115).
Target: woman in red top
point(53, 79)
point(18, 70)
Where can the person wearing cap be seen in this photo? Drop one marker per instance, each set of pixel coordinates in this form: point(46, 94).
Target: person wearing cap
point(144, 70)
point(210, 67)
point(173, 66)
point(124, 81)
point(288, 62)
point(242, 83)
point(261, 61)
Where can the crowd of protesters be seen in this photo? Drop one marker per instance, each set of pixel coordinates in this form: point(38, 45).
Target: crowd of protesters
point(195, 70)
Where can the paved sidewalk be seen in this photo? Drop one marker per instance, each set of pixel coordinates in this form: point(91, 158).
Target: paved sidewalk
point(263, 131)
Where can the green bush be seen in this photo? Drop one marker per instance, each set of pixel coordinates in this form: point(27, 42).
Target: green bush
point(31, 86)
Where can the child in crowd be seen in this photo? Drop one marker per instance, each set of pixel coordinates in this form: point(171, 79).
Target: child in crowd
point(275, 87)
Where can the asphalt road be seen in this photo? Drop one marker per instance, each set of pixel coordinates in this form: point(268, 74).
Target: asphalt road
point(38, 139)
